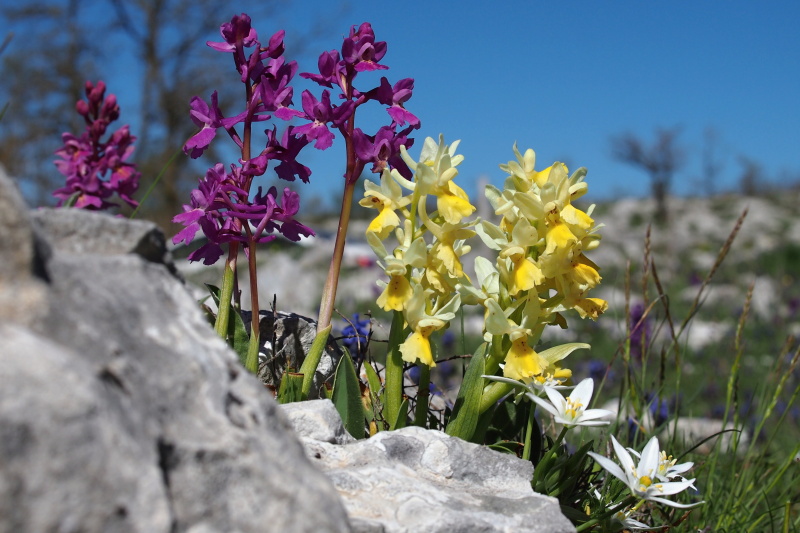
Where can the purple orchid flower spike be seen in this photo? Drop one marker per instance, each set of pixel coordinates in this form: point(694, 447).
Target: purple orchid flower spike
point(222, 206)
point(86, 160)
point(209, 118)
point(395, 97)
point(287, 151)
point(331, 70)
point(276, 48)
point(383, 149)
point(202, 203)
point(361, 51)
point(275, 91)
point(320, 112)
point(238, 34)
point(283, 214)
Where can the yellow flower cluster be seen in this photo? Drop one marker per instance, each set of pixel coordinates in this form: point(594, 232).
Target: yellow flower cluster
point(423, 274)
point(541, 270)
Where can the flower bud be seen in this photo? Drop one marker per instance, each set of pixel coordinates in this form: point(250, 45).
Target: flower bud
point(82, 108)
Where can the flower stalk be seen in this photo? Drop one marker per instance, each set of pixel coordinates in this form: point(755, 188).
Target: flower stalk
point(393, 396)
point(226, 292)
point(332, 281)
point(254, 345)
point(423, 395)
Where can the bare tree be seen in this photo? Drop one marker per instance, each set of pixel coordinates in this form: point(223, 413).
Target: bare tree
point(47, 61)
point(660, 161)
point(711, 164)
point(752, 177)
point(166, 39)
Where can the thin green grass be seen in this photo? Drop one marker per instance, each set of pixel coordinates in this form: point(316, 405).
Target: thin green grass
point(750, 479)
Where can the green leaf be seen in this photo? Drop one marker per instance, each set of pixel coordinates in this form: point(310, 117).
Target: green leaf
point(291, 385)
point(214, 291)
point(253, 348)
point(373, 380)
point(485, 421)
point(375, 396)
point(237, 337)
point(557, 353)
point(467, 409)
point(402, 416)
point(423, 395)
point(310, 363)
point(347, 397)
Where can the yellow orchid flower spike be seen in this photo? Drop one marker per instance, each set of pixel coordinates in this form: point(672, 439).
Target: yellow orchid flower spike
point(417, 346)
point(522, 272)
point(397, 291)
point(434, 174)
point(386, 198)
point(445, 247)
point(523, 169)
point(521, 361)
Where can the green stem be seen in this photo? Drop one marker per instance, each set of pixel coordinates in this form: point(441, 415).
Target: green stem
point(495, 391)
point(350, 179)
point(526, 450)
point(496, 355)
point(251, 363)
point(229, 275)
point(551, 453)
point(394, 370)
point(492, 395)
point(615, 509)
point(332, 282)
point(423, 393)
point(253, 347)
point(224, 311)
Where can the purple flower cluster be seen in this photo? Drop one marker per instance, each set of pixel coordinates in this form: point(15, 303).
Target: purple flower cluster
point(360, 53)
point(86, 161)
point(221, 206)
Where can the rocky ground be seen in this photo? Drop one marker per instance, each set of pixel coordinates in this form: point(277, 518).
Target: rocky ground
point(684, 250)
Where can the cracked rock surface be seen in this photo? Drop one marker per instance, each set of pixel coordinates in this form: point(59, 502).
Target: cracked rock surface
point(415, 479)
point(120, 409)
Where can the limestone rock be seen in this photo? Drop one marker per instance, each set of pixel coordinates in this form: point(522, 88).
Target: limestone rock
point(68, 465)
point(121, 410)
point(22, 293)
point(16, 240)
point(317, 420)
point(415, 479)
point(77, 231)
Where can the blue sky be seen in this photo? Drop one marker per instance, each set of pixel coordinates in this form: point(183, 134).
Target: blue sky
point(564, 77)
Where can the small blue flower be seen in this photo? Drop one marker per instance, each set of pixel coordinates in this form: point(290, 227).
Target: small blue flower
point(356, 336)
